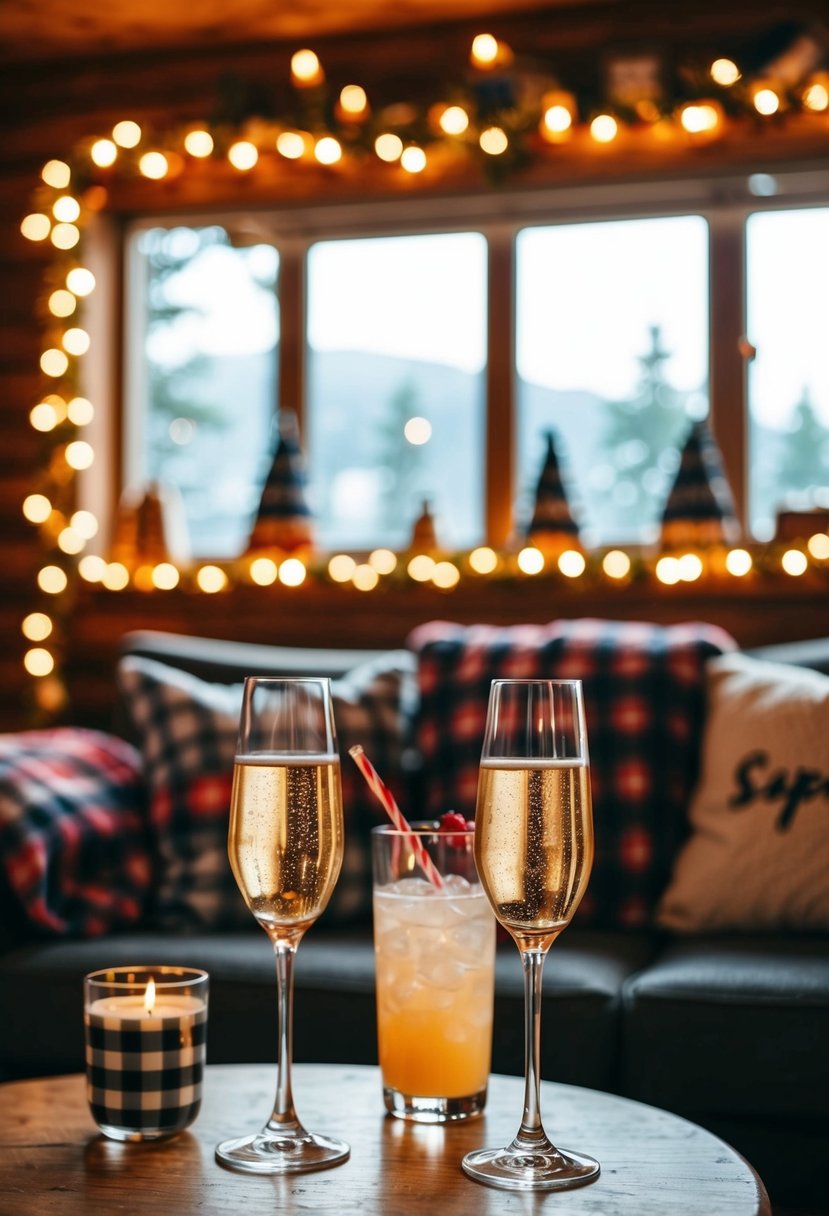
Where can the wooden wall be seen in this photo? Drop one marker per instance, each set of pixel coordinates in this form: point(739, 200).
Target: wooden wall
point(44, 109)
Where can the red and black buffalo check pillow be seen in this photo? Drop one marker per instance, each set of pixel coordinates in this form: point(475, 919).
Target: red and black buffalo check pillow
point(644, 701)
point(74, 853)
point(186, 730)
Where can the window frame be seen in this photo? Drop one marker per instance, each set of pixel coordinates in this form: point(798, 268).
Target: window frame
point(723, 200)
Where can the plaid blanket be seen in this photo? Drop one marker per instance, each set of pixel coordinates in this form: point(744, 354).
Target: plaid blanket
point(74, 854)
point(644, 702)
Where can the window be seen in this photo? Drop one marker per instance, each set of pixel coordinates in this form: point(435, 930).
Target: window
point(204, 381)
point(631, 319)
point(788, 325)
point(612, 356)
point(395, 401)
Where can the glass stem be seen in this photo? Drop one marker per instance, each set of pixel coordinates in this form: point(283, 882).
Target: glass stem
point(531, 1135)
point(284, 1116)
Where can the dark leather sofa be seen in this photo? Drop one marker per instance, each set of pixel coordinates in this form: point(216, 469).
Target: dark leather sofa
point(730, 1031)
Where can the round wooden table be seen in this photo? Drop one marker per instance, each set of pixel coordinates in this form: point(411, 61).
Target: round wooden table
point(52, 1159)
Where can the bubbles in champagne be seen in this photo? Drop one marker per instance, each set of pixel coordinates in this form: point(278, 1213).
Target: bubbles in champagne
point(534, 842)
point(286, 836)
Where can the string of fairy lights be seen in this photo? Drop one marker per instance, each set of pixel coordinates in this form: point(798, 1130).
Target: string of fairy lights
point(410, 140)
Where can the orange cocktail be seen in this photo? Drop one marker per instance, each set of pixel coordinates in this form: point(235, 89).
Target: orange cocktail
point(434, 953)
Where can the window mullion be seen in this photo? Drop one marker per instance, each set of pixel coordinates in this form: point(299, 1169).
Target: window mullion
point(292, 327)
point(500, 385)
point(728, 380)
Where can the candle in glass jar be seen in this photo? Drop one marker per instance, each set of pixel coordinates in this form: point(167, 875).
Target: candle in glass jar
point(145, 1049)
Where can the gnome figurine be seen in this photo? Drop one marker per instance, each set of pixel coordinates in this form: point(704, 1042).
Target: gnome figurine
point(552, 528)
point(700, 508)
point(283, 521)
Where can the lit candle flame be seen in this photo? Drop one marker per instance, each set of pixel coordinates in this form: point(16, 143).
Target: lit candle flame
point(149, 996)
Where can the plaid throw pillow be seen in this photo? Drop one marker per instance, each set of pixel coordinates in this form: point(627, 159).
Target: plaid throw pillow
point(644, 702)
point(74, 854)
point(186, 730)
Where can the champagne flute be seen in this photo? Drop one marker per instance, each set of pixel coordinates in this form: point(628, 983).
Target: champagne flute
point(285, 845)
point(534, 852)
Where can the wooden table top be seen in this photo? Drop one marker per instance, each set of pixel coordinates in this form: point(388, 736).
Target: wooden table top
point(53, 1160)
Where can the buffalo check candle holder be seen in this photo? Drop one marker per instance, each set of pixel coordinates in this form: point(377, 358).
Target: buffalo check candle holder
point(145, 1031)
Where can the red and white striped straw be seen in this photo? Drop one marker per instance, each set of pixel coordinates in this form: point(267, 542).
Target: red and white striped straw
point(384, 795)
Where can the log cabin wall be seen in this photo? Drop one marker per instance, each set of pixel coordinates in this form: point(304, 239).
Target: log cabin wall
point(45, 108)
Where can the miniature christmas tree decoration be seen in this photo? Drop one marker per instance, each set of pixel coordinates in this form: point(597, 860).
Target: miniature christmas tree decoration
point(700, 507)
point(552, 527)
point(150, 527)
point(424, 536)
point(283, 521)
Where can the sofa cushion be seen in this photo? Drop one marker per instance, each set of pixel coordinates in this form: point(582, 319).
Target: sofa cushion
point(758, 858)
point(74, 854)
point(731, 1025)
point(41, 1000)
point(644, 701)
point(186, 730)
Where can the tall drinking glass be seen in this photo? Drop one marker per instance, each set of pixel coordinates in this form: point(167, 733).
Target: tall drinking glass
point(286, 846)
point(534, 852)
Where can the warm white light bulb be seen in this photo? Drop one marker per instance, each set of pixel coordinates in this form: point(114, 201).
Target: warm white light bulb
point(484, 50)
point(198, 143)
point(738, 562)
point(243, 155)
point(62, 303)
point(327, 150)
point(65, 236)
point(530, 560)
point(383, 560)
point(454, 120)
point(341, 567)
point(794, 562)
point(154, 165)
point(127, 134)
point(353, 99)
point(616, 564)
point(724, 72)
point(80, 281)
point(557, 119)
point(494, 141)
point(446, 575)
point(766, 102)
point(292, 572)
point(388, 147)
point(413, 159)
point(290, 144)
point(305, 67)
point(56, 173)
point(211, 579)
point(571, 563)
point(483, 560)
point(36, 227)
point(66, 209)
point(104, 153)
point(604, 128)
point(365, 577)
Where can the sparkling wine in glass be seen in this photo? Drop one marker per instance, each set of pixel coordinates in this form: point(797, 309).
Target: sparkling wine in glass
point(285, 844)
point(534, 852)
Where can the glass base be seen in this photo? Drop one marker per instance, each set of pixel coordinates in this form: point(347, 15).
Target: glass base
point(132, 1135)
point(433, 1110)
point(514, 1170)
point(265, 1153)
